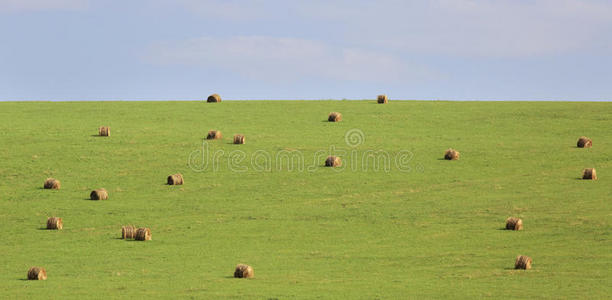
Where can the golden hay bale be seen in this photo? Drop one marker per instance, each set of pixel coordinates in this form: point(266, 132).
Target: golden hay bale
point(514, 224)
point(523, 262)
point(589, 174)
point(143, 234)
point(333, 161)
point(243, 271)
point(128, 232)
point(214, 98)
point(52, 183)
point(98, 194)
point(55, 223)
point(104, 131)
point(584, 142)
point(382, 99)
point(37, 273)
point(214, 135)
point(334, 117)
point(239, 139)
point(176, 179)
point(451, 154)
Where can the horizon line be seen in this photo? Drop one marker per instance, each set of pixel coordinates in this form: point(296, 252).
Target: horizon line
point(331, 99)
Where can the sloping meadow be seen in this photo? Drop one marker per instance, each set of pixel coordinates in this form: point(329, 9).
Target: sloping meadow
point(394, 220)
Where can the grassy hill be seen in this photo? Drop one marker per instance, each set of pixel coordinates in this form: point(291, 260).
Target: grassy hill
point(413, 225)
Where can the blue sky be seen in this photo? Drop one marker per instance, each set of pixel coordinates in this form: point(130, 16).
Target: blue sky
point(317, 49)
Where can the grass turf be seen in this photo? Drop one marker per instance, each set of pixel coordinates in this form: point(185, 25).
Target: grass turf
point(432, 229)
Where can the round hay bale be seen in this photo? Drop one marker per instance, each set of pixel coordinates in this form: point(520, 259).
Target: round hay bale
point(334, 117)
point(243, 271)
point(55, 223)
point(584, 142)
point(176, 179)
point(214, 135)
point(451, 154)
point(514, 224)
point(52, 183)
point(214, 98)
point(239, 139)
point(382, 99)
point(37, 273)
point(333, 161)
point(589, 173)
point(104, 131)
point(523, 262)
point(143, 234)
point(98, 194)
point(128, 232)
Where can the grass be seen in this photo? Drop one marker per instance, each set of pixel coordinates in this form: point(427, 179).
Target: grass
point(431, 231)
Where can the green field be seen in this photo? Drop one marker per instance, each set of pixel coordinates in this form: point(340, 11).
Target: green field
point(430, 229)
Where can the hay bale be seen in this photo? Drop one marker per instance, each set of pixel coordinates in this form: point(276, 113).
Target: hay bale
point(239, 139)
point(37, 273)
point(52, 183)
point(214, 98)
point(523, 262)
point(243, 271)
point(334, 117)
point(382, 99)
point(55, 223)
point(451, 154)
point(214, 135)
point(584, 142)
point(143, 234)
point(104, 131)
point(128, 232)
point(333, 161)
point(589, 174)
point(176, 179)
point(98, 194)
point(514, 224)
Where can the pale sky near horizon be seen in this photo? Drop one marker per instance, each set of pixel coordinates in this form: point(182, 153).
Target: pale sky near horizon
point(317, 49)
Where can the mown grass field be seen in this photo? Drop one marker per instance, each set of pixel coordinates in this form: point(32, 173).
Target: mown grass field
point(431, 231)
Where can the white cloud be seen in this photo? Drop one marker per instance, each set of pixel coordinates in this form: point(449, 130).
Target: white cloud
point(503, 28)
point(473, 28)
point(225, 9)
point(272, 58)
point(41, 5)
